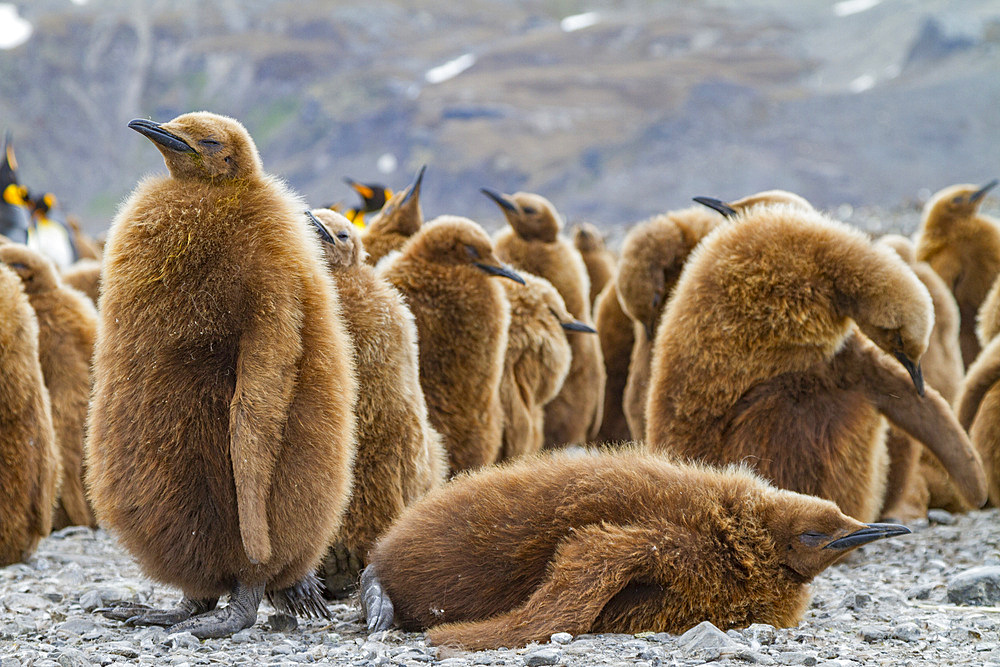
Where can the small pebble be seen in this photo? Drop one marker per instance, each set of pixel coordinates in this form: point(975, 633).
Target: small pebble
point(545, 656)
point(940, 517)
point(561, 638)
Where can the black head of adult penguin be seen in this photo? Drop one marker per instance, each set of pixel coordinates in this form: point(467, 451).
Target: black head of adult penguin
point(203, 146)
point(15, 218)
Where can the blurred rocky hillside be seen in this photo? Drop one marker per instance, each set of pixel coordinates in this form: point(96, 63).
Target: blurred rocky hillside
point(614, 110)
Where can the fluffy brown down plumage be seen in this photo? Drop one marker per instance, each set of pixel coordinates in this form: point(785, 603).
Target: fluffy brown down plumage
point(653, 255)
point(916, 478)
point(400, 456)
point(600, 261)
point(536, 362)
point(462, 317)
point(221, 432)
point(757, 359)
point(30, 474)
point(67, 325)
point(393, 226)
point(532, 243)
point(978, 403)
point(963, 247)
point(614, 330)
point(84, 276)
point(626, 542)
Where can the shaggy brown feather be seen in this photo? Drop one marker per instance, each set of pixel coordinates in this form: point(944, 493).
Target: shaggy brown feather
point(614, 330)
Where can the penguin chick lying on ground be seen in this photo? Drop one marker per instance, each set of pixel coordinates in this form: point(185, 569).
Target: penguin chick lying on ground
point(788, 337)
point(604, 542)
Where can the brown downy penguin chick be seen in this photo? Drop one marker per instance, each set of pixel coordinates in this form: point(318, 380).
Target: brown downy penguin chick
point(398, 220)
point(978, 403)
point(916, 479)
point(85, 276)
point(445, 273)
point(600, 262)
point(86, 247)
point(400, 456)
point(756, 359)
point(963, 247)
point(221, 432)
point(653, 254)
point(532, 243)
point(536, 363)
point(30, 474)
point(67, 325)
point(614, 330)
point(626, 542)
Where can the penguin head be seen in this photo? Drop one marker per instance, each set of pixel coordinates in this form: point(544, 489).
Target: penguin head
point(587, 238)
point(203, 146)
point(37, 273)
point(373, 195)
point(557, 308)
point(341, 240)
point(955, 202)
point(401, 213)
point(764, 198)
point(455, 241)
point(533, 217)
point(810, 533)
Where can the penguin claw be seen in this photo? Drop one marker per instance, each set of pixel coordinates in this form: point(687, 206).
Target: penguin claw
point(376, 603)
point(133, 613)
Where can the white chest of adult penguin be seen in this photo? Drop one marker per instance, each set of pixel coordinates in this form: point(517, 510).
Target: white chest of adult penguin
point(221, 434)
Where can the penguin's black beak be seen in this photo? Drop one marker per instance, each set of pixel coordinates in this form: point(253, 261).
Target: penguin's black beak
point(981, 192)
point(414, 189)
point(499, 271)
point(324, 234)
point(870, 533)
point(916, 374)
point(576, 325)
point(717, 205)
point(504, 201)
point(156, 133)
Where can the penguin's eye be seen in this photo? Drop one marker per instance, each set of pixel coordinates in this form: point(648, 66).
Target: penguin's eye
point(209, 142)
point(343, 236)
point(473, 253)
point(813, 538)
point(958, 200)
point(530, 210)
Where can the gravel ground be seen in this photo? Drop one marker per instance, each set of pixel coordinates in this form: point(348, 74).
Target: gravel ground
point(887, 605)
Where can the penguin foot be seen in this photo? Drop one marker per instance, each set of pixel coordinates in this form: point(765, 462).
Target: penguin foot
point(304, 599)
point(341, 568)
point(139, 614)
point(375, 602)
point(239, 614)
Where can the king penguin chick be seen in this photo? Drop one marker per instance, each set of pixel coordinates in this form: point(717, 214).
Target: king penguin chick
point(600, 261)
point(463, 316)
point(398, 220)
point(757, 359)
point(978, 403)
point(916, 479)
point(615, 332)
point(537, 361)
point(30, 475)
point(653, 254)
point(85, 276)
point(627, 542)
point(67, 325)
point(532, 243)
point(221, 433)
point(963, 247)
point(400, 456)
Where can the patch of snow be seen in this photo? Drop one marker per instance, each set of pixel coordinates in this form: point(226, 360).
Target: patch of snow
point(450, 69)
point(14, 30)
point(579, 21)
point(849, 7)
point(862, 83)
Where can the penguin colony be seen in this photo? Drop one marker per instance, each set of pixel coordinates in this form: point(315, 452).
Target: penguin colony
point(258, 399)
